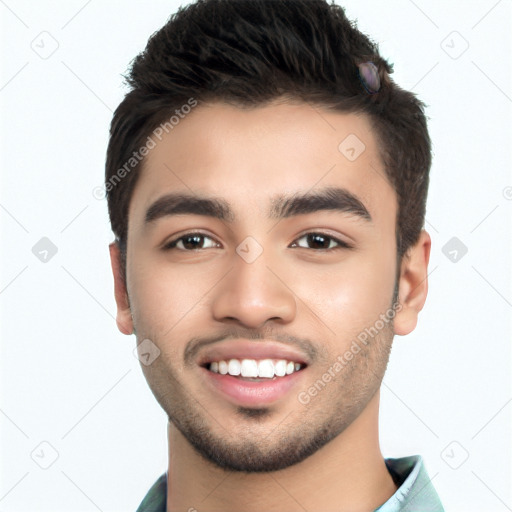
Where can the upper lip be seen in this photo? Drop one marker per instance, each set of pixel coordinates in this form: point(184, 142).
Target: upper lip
point(245, 349)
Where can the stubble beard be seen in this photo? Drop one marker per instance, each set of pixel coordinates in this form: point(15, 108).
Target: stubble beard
point(294, 436)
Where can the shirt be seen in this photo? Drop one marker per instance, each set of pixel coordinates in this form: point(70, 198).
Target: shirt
point(415, 491)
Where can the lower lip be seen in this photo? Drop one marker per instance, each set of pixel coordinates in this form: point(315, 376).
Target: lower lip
point(244, 392)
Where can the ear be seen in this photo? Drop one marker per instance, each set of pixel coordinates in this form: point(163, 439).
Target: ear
point(413, 285)
point(124, 319)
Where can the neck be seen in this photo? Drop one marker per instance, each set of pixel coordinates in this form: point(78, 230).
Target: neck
point(347, 474)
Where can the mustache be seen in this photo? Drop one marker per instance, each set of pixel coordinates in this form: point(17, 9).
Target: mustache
point(196, 344)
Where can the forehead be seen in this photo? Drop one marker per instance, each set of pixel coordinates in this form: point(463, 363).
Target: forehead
point(248, 156)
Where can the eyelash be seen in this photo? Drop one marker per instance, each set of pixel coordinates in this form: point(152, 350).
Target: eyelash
point(341, 244)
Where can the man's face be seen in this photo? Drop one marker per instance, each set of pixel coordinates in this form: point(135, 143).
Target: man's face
point(278, 277)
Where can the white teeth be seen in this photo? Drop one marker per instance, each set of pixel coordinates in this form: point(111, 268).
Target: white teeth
point(234, 367)
point(280, 368)
point(223, 367)
point(266, 368)
point(251, 368)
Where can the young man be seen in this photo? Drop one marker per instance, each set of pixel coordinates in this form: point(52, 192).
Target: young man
point(266, 184)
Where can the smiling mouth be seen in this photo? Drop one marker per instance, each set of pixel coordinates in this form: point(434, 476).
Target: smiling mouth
point(256, 370)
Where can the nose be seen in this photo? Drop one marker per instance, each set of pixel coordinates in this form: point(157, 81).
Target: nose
point(252, 294)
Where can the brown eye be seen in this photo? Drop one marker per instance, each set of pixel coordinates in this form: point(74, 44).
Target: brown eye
point(316, 241)
point(319, 241)
point(191, 241)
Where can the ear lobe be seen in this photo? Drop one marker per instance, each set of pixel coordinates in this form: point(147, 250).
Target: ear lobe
point(413, 285)
point(124, 319)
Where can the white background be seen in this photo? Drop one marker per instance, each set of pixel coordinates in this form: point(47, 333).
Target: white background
point(70, 379)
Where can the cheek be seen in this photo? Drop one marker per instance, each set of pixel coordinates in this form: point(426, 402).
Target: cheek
point(352, 295)
point(162, 297)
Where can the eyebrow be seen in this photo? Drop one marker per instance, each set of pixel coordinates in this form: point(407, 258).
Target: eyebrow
point(329, 198)
point(282, 206)
point(175, 204)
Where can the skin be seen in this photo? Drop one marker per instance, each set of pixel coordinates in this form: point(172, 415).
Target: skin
point(319, 456)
